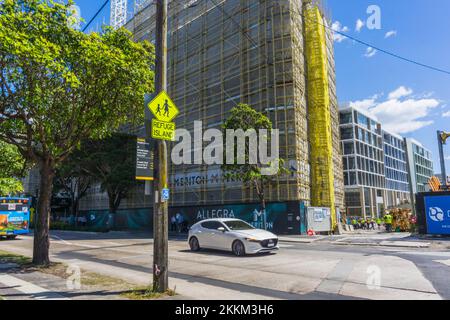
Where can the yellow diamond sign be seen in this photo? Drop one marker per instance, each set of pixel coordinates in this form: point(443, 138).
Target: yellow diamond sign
point(163, 107)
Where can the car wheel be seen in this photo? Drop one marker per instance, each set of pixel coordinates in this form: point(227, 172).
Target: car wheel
point(238, 248)
point(193, 243)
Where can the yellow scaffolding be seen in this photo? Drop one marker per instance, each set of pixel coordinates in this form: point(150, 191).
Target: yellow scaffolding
point(321, 154)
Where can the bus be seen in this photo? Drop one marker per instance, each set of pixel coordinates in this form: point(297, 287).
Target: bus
point(14, 217)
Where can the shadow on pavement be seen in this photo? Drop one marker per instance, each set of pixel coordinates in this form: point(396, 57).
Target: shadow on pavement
point(221, 253)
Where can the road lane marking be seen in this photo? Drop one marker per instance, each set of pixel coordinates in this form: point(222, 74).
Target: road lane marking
point(62, 241)
point(446, 262)
point(433, 253)
point(114, 243)
point(29, 288)
point(337, 278)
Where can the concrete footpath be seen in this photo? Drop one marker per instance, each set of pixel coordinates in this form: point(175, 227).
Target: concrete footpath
point(19, 284)
point(373, 238)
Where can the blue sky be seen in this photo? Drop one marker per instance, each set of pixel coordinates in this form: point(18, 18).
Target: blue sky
point(406, 98)
point(420, 31)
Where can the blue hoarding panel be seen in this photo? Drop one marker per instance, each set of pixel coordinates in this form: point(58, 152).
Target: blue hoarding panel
point(437, 211)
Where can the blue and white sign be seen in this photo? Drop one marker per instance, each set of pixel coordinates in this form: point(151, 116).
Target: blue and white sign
point(165, 195)
point(437, 210)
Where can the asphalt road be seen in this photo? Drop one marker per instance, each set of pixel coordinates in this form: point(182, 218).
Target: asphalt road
point(296, 271)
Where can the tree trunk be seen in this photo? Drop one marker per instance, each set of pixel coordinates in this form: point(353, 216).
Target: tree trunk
point(263, 205)
point(113, 207)
point(42, 219)
point(262, 198)
point(75, 210)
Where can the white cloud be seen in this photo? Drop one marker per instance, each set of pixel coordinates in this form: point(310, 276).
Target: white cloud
point(447, 158)
point(426, 95)
point(337, 26)
point(363, 104)
point(370, 52)
point(359, 25)
point(398, 113)
point(391, 33)
point(400, 92)
point(446, 114)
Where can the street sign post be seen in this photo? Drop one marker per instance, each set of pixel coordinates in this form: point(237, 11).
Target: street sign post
point(164, 110)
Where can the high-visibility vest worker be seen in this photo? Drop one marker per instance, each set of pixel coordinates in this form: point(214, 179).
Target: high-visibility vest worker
point(388, 219)
point(354, 222)
point(379, 221)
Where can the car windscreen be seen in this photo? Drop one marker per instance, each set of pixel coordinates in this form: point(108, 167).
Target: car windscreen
point(238, 225)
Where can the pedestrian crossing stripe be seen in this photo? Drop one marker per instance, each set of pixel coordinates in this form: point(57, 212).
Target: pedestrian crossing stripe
point(163, 107)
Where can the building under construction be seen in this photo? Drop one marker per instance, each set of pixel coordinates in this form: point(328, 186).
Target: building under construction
point(274, 55)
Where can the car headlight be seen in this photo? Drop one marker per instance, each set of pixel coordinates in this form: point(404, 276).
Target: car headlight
point(252, 240)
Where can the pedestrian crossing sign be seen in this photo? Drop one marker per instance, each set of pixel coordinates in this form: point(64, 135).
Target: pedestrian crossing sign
point(163, 107)
point(163, 130)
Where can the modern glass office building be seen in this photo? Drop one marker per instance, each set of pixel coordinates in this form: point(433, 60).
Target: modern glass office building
point(364, 175)
point(396, 168)
point(375, 171)
point(421, 165)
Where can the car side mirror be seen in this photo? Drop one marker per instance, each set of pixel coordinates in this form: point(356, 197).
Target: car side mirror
point(221, 229)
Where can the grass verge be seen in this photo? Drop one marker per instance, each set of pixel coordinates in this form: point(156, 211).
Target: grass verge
point(89, 280)
point(7, 257)
point(147, 293)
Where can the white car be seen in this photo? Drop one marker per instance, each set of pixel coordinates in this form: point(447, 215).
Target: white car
point(231, 235)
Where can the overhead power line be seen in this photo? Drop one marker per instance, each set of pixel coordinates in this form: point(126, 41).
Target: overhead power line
point(364, 43)
point(391, 53)
point(95, 15)
point(380, 49)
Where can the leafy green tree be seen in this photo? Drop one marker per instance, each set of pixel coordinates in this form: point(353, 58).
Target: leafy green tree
point(111, 162)
point(73, 180)
point(60, 86)
point(246, 118)
point(12, 166)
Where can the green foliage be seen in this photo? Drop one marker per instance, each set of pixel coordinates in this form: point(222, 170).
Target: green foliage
point(244, 117)
point(111, 162)
point(59, 85)
point(10, 186)
point(72, 180)
point(12, 163)
point(11, 167)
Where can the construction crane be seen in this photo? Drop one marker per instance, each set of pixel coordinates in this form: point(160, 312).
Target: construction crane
point(118, 16)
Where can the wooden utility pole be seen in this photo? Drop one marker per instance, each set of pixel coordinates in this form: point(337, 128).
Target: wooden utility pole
point(160, 209)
